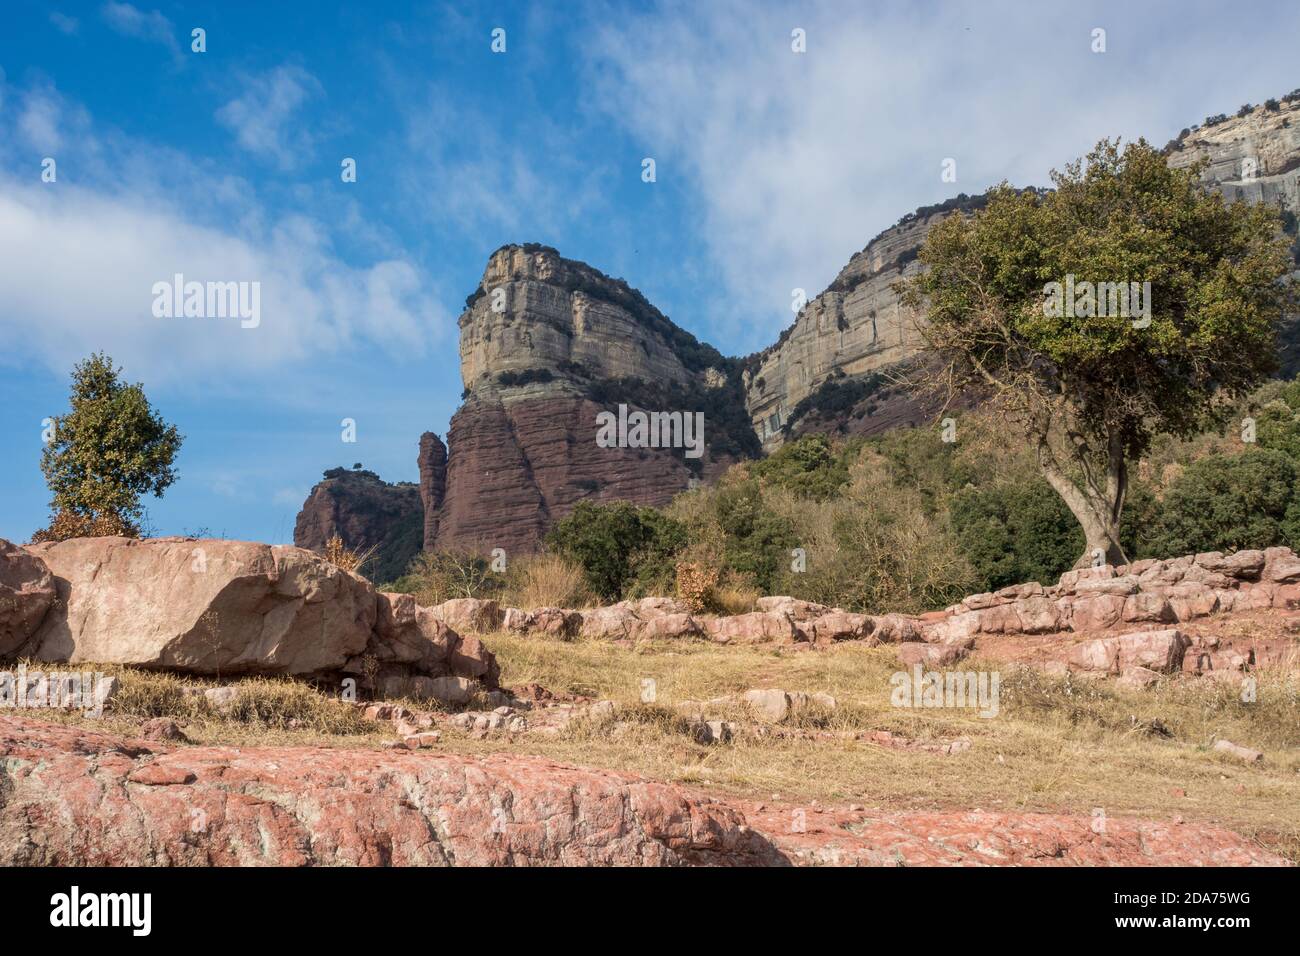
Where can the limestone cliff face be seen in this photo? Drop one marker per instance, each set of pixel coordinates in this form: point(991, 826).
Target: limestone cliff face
point(535, 312)
point(366, 512)
point(546, 345)
point(858, 327)
point(1255, 157)
point(854, 328)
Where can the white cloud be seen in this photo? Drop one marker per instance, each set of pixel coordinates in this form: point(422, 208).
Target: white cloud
point(133, 22)
point(64, 23)
point(39, 122)
point(494, 178)
point(79, 258)
point(262, 116)
point(797, 160)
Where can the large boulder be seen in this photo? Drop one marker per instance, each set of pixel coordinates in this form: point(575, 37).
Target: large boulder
point(417, 641)
point(235, 607)
point(202, 606)
point(26, 593)
point(1159, 651)
point(797, 609)
point(752, 628)
point(470, 614)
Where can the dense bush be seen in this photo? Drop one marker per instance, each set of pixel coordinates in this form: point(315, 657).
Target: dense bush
point(618, 545)
point(1015, 533)
point(809, 467)
point(1225, 503)
point(757, 541)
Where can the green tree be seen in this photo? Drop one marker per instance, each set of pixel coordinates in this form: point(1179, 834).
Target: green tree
point(617, 543)
point(756, 540)
point(808, 466)
point(1090, 390)
point(106, 452)
point(1016, 533)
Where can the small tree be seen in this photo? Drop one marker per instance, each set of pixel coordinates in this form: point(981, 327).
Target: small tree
point(1089, 391)
point(109, 449)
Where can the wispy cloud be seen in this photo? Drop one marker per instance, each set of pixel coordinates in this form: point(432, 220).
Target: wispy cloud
point(131, 21)
point(64, 23)
point(263, 116)
point(497, 179)
point(797, 159)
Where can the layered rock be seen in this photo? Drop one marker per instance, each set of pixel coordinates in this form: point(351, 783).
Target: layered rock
point(231, 607)
point(1150, 592)
point(26, 593)
point(546, 345)
point(75, 797)
point(368, 514)
point(432, 462)
point(856, 327)
point(1253, 157)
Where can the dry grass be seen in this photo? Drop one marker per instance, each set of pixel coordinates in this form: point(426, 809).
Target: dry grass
point(1057, 744)
point(545, 580)
point(337, 554)
point(265, 710)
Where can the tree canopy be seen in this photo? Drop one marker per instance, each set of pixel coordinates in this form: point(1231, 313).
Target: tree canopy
point(1091, 379)
point(108, 450)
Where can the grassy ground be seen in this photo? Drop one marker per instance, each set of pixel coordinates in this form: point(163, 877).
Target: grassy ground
point(1057, 744)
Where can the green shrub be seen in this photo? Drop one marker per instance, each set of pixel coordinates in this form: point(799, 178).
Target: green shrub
point(1226, 503)
point(809, 467)
point(619, 544)
point(757, 541)
point(1016, 533)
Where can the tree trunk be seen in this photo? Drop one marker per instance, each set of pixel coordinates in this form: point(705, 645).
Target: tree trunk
point(1097, 508)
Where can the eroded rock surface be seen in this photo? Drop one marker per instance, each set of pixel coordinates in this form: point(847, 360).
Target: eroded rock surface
point(26, 593)
point(77, 797)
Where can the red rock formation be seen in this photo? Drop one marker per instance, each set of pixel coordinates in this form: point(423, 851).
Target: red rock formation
point(213, 607)
point(516, 468)
point(432, 461)
point(366, 512)
point(77, 797)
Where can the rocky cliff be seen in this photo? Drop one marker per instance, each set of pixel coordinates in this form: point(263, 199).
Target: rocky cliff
point(365, 512)
point(831, 363)
point(548, 343)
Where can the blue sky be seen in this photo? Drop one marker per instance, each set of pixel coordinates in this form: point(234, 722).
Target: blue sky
point(772, 169)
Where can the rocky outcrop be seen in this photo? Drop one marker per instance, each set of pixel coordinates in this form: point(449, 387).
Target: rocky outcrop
point(75, 797)
point(856, 327)
point(26, 593)
point(546, 345)
point(231, 607)
point(368, 514)
point(432, 462)
point(1151, 592)
point(824, 373)
point(1253, 157)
